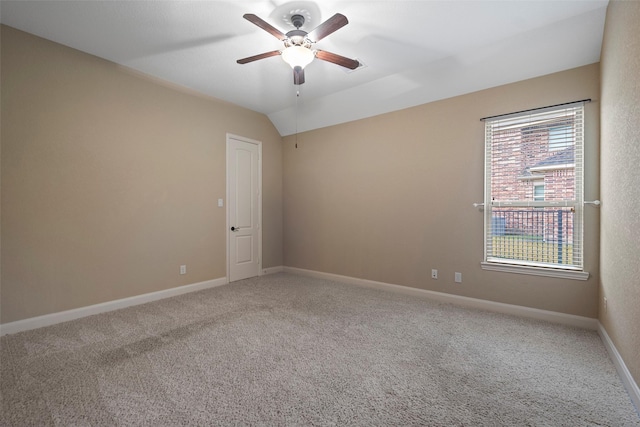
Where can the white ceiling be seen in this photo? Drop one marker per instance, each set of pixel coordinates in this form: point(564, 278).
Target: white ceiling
point(414, 51)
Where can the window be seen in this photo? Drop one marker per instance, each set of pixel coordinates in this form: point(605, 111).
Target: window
point(538, 191)
point(560, 137)
point(534, 191)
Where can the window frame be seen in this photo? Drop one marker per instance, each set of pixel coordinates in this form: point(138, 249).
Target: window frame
point(513, 265)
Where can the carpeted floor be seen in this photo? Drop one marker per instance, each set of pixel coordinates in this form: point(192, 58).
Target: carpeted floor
point(290, 350)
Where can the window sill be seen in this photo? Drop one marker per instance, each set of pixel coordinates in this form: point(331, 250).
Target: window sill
point(536, 271)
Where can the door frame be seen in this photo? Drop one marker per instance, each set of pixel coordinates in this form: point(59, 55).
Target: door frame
point(228, 234)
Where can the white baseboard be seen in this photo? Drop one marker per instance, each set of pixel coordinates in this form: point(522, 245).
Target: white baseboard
point(272, 270)
point(516, 310)
point(64, 316)
point(625, 375)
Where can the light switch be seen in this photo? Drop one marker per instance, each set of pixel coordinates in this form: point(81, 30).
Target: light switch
point(220, 203)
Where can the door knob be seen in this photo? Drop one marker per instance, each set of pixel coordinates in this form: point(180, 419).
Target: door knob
point(234, 229)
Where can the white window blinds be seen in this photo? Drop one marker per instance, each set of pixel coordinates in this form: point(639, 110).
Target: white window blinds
point(534, 187)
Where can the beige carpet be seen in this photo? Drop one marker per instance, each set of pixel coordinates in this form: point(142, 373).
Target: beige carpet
point(289, 350)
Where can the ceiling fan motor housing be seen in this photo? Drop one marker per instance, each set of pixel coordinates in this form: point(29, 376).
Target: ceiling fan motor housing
point(297, 38)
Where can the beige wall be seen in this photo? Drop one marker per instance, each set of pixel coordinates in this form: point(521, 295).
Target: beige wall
point(390, 197)
point(110, 181)
point(620, 165)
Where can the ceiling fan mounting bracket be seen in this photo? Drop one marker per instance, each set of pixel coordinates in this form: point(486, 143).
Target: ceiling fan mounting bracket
point(287, 13)
point(297, 21)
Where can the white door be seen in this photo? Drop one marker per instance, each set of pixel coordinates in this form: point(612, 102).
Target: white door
point(244, 207)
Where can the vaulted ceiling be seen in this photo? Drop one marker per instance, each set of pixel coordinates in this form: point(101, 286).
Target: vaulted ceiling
point(413, 52)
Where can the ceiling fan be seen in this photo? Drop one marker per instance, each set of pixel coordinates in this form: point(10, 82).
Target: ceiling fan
point(297, 44)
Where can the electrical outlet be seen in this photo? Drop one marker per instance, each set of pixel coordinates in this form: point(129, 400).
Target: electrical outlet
point(183, 269)
point(434, 274)
point(458, 277)
point(605, 304)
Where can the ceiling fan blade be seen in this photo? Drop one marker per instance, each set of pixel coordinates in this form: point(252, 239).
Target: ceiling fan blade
point(254, 19)
point(298, 75)
point(256, 57)
point(332, 24)
point(352, 64)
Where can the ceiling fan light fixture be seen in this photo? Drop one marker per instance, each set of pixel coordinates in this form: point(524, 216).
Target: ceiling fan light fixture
point(297, 56)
